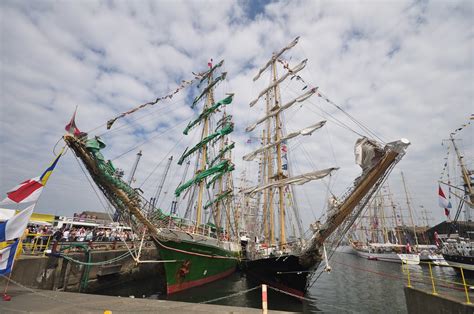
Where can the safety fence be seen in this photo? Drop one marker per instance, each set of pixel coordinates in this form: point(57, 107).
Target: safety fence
point(39, 245)
point(437, 285)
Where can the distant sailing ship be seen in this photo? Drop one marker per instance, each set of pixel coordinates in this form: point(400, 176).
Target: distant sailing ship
point(457, 251)
point(195, 251)
point(285, 263)
point(377, 242)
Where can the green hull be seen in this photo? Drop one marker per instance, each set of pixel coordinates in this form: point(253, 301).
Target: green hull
point(193, 264)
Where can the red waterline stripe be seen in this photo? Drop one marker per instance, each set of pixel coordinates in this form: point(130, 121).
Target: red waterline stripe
point(190, 284)
point(278, 285)
point(196, 254)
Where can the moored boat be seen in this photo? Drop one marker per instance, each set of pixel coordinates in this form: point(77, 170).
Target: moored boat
point(291, 264)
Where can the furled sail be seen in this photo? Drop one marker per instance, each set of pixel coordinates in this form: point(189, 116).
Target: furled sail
point(222, 153)
point(223, 166)
point(230, 168)
point(367, 153)
point(301, 179)
point(276, 56)
point(208, 88)
point(207, 74)
point(227, 129)
point(306, 131)
point(284, 107)
point(293, 71)
point(208, 112)
point(218, 198)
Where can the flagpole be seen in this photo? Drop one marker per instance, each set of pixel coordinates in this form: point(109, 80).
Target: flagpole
point(7, 297)
point(19, 246)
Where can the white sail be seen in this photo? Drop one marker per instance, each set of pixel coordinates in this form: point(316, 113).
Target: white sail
point(276, 56)
point(284, 107)
point(306, 131)
point(293, 71)
point(301, 179)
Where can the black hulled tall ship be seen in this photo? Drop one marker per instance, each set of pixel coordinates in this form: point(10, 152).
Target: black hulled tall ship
point(289, 262)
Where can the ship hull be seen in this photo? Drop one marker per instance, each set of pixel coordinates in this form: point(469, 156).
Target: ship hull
point(189, 264)
point(284, 272)
point(457, 261)
point(409, 259)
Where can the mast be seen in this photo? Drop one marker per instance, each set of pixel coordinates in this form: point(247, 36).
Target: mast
point(202, 167)
point(409, 208)
point(134, 168)
point(384, 225)
point(162, 183)
point(397, 226)
point(465, 176)
point(174, 203)
point(265, 220)
point(269, 162)
point(280, 175)
point(274, 180)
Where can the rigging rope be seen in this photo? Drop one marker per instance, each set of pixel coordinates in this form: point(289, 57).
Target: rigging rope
point(299, 78)
point(153, 137)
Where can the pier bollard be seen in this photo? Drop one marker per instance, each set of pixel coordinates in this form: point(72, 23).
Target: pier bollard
point(264, 299)
point(465, 287)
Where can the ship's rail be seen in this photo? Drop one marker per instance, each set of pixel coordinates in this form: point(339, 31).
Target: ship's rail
point(458, 290)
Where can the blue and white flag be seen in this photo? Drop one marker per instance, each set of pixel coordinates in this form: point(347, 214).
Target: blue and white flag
point(14, 227)
point(7, 257)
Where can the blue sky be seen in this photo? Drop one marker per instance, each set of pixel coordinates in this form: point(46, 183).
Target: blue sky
point(403, 68)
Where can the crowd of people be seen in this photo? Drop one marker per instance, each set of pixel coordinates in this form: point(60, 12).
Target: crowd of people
point(79, 234)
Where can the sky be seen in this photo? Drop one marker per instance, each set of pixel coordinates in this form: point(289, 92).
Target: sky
point(403, 69)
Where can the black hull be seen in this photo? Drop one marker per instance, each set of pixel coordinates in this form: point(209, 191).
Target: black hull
point(284, 272)
point(466, 262)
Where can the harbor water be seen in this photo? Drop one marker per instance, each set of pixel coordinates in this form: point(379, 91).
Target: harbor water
point(355, 285)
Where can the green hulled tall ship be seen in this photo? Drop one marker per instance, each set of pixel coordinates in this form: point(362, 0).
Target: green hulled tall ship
point(203, 245)
point(208, 247)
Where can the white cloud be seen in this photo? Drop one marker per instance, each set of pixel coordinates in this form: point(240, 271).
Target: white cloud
point(404, 69)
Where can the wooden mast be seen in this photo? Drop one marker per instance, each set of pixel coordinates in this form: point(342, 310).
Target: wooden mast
point(397, 226)
point(265, 193)
point(409, 208)
point(218, 218)
point(269, 161)
point(279, 175)
point(202, 167)
point(384, 223)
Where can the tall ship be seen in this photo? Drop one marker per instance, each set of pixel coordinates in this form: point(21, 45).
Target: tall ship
point(200, 246)
point(275, 253)
point(458, 251)
point(374, 239)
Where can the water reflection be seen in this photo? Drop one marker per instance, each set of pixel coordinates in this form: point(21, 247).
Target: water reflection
point(354, 285)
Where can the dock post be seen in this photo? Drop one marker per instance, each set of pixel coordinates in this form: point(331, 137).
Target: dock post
point(465, 286)
point(264, 299)
point(432, 280)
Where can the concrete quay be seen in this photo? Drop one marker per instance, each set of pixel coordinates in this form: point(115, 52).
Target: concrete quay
point(44, 301)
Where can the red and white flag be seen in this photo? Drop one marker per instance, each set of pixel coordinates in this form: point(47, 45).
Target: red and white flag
point(30, 190)
point(71, 126)
point(26, 192)
point(443, 201)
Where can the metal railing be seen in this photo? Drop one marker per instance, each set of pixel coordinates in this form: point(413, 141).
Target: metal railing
point(36, 244)
point(437, 284)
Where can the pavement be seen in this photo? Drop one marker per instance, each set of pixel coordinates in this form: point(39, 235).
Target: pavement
point(45, 301)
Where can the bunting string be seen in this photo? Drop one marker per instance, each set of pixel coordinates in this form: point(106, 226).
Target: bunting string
point(184, 84)
point(200, 76)
point(463, 125)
